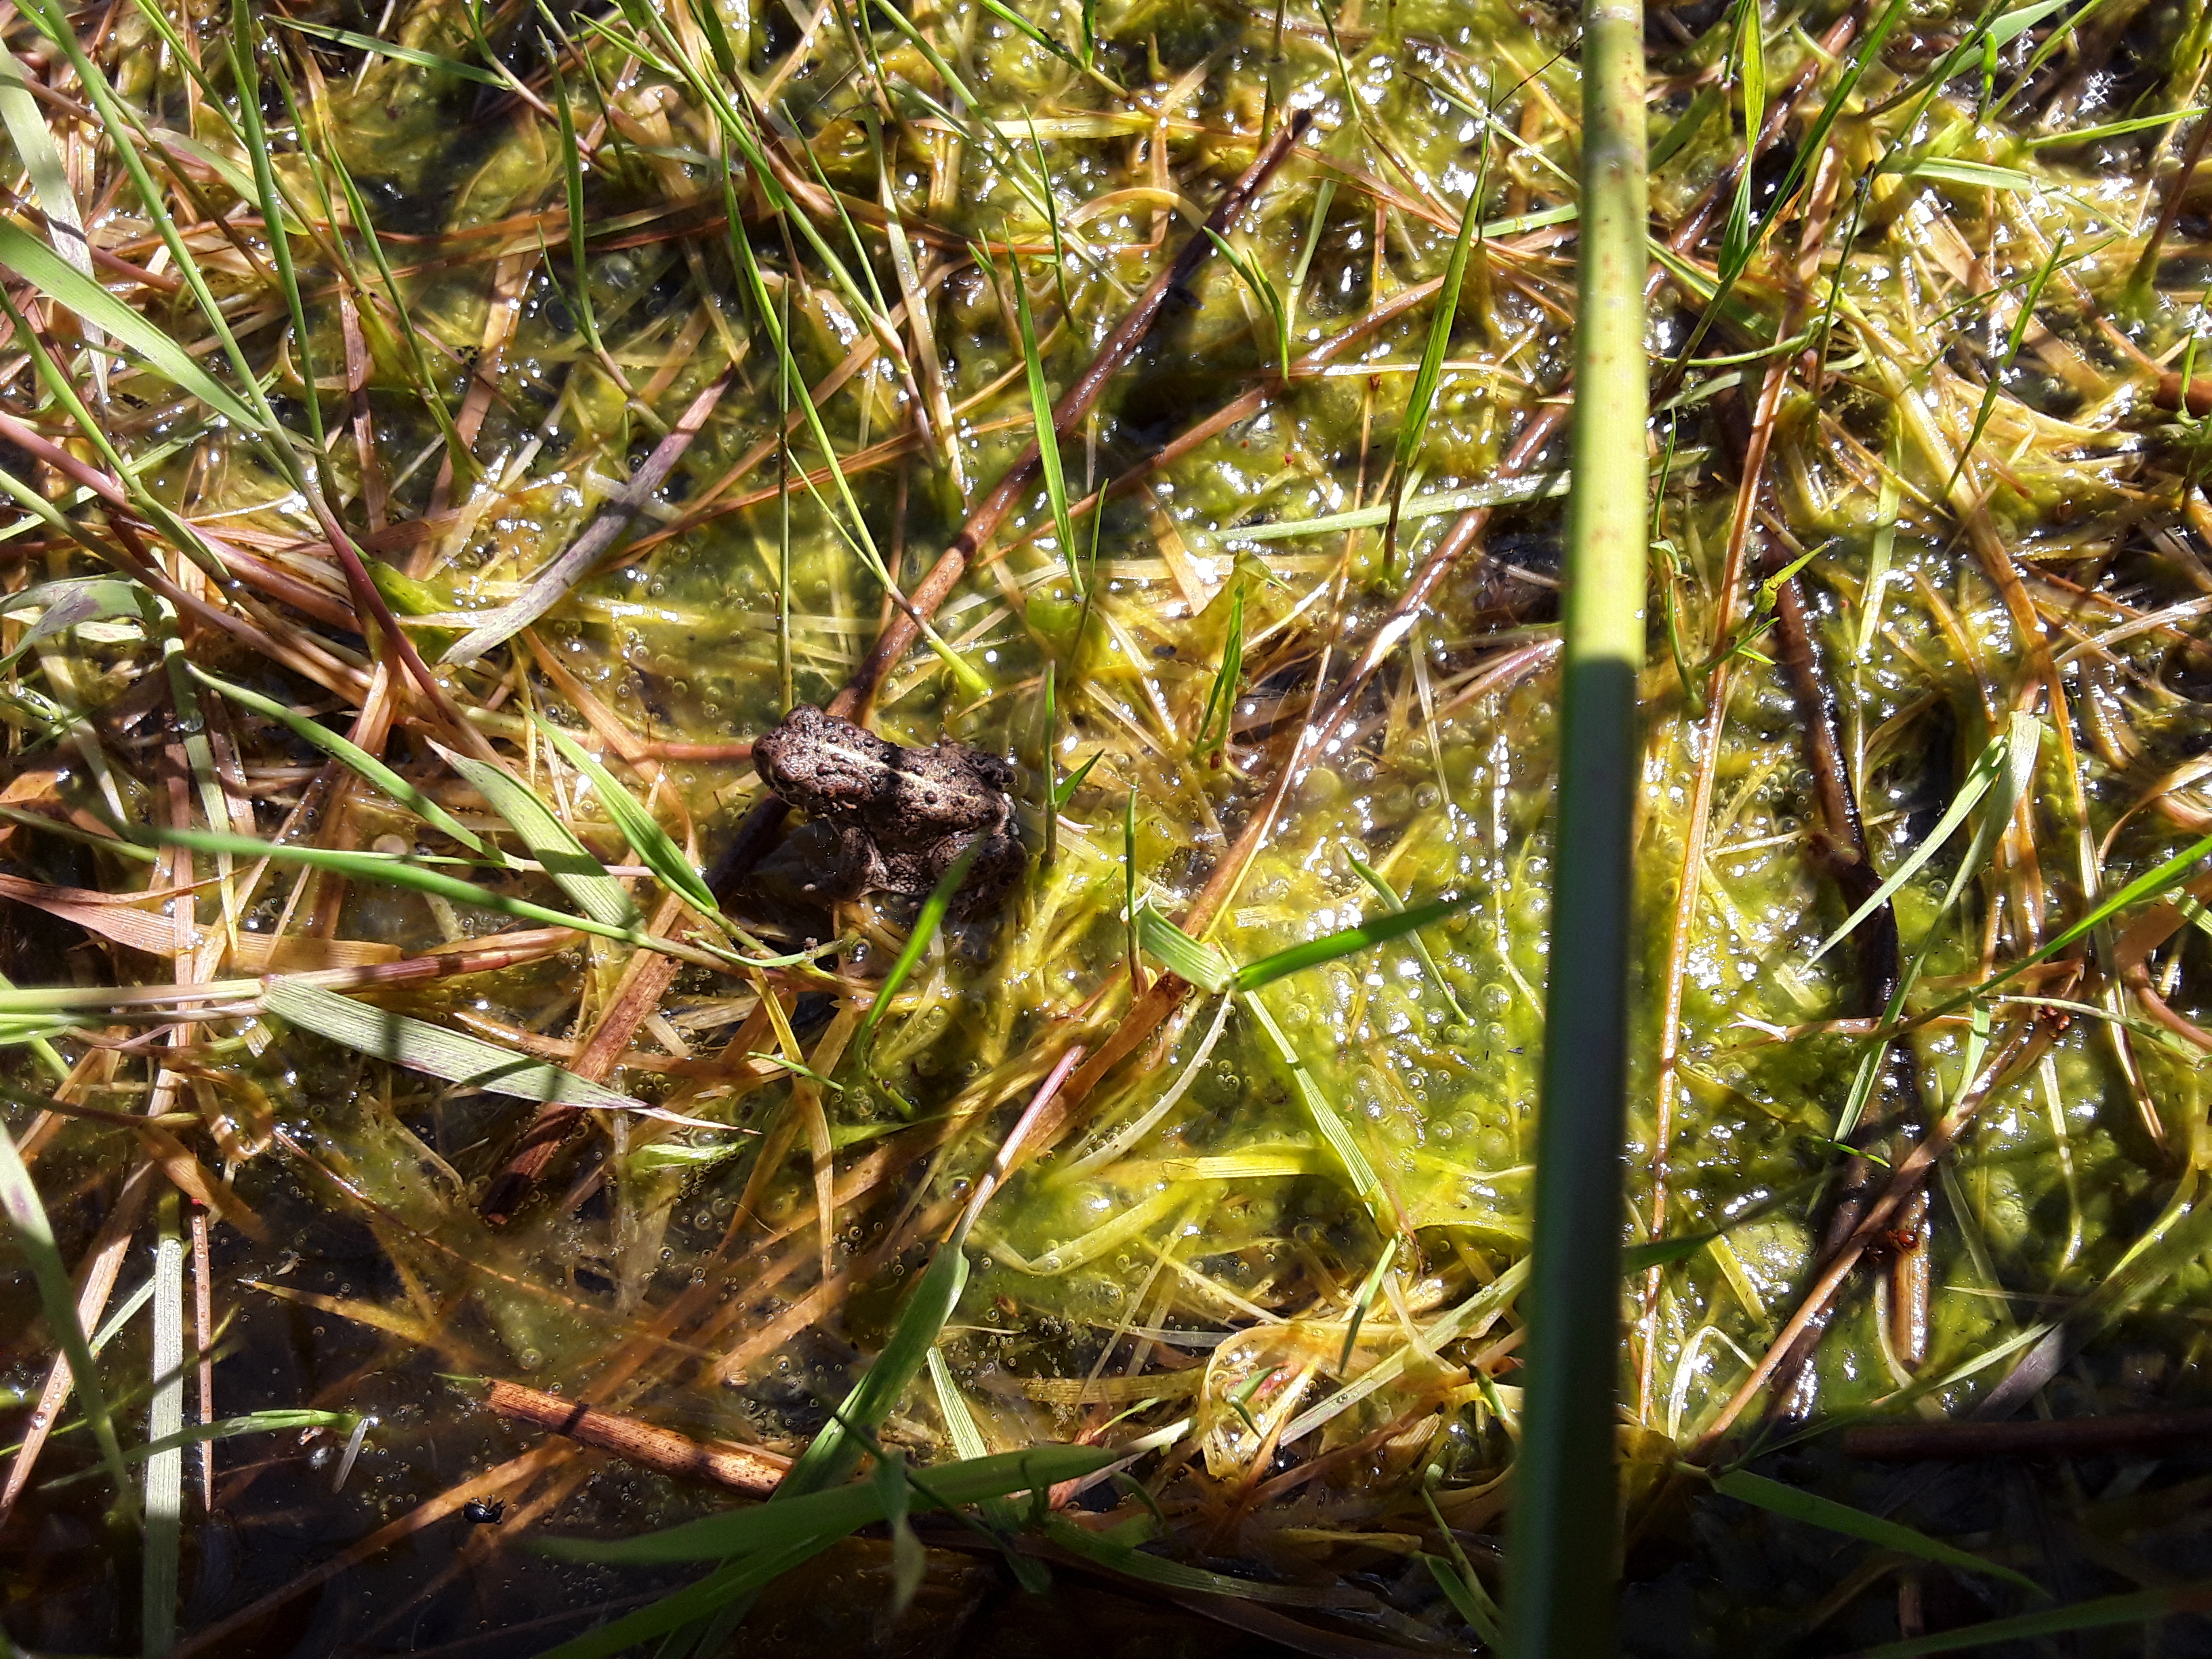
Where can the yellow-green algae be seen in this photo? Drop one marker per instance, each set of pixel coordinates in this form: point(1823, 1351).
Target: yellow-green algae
point(1225, 1238)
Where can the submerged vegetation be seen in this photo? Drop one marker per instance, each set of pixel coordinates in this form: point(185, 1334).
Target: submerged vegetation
point(439, 438)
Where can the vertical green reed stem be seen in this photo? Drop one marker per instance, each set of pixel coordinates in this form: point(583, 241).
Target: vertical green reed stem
point(1565, 1525)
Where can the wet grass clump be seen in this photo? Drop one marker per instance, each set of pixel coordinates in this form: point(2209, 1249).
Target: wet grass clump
point(439, 442)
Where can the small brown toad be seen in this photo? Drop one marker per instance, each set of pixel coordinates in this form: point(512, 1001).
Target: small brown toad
point(901, 816)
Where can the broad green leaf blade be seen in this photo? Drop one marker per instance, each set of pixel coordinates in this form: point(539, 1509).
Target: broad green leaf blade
point(1347, 941)
point(1202, 965)
point(345, 750)
point(839, 1509)
point(64, 605)
point(50, 186)
point(35, 1236)
point(550, 841)
point(653, 845)
point(48, 178)
point(62, 283)
point(1776, 1498)
point(693, 1603)
point(421, 1047)
point(835, 1452)
point(1751, 65)
point(42, 162)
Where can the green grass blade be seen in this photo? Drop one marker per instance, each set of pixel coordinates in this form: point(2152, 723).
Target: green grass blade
point(2112, 129)
point(421, 1047)
point(910, 1560)
point(1264, 290)
point(693, 1603)
point(1776, 1498)
point(1751, 65)
point(835, 1452)
point(1988, 767)
point(654, 848)
point(2023, 744)
point(550, 841)
point(1348, 941)
point(1884, 546)
point(1480, 1619)
point(35, 1236)
point(917, 942)
point(1203, 965)
point(1685, 126)
point(62, 283)
point(1064, 791)
point(1221, 700)
point(572, 179)
point(121, 120)
point(839, 1510)
point(1047, 434)
point(1422, 402)
point(246, 71)
point(862, 541)
point(278, 1421)
point(2025, 316)
point(1809, 150)
point(48, 179)
point(1528, 487)
point(1436, 973)
point(1330, 1123)
point(1013, 19)
point(1132, 1563)
point(369, 43)
point(1031, 1573)
point(352, 754)
point(403, 873)
point(2142, 1607)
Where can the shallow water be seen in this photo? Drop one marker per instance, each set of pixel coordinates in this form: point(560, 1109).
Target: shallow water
point(1194, 1241)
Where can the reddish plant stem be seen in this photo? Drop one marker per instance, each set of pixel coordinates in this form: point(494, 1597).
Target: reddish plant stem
point(741, 1468)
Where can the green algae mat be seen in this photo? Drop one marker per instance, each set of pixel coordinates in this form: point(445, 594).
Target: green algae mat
point(1069, 1145)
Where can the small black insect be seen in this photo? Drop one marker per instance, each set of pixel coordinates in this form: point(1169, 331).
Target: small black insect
point(483, 1511)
